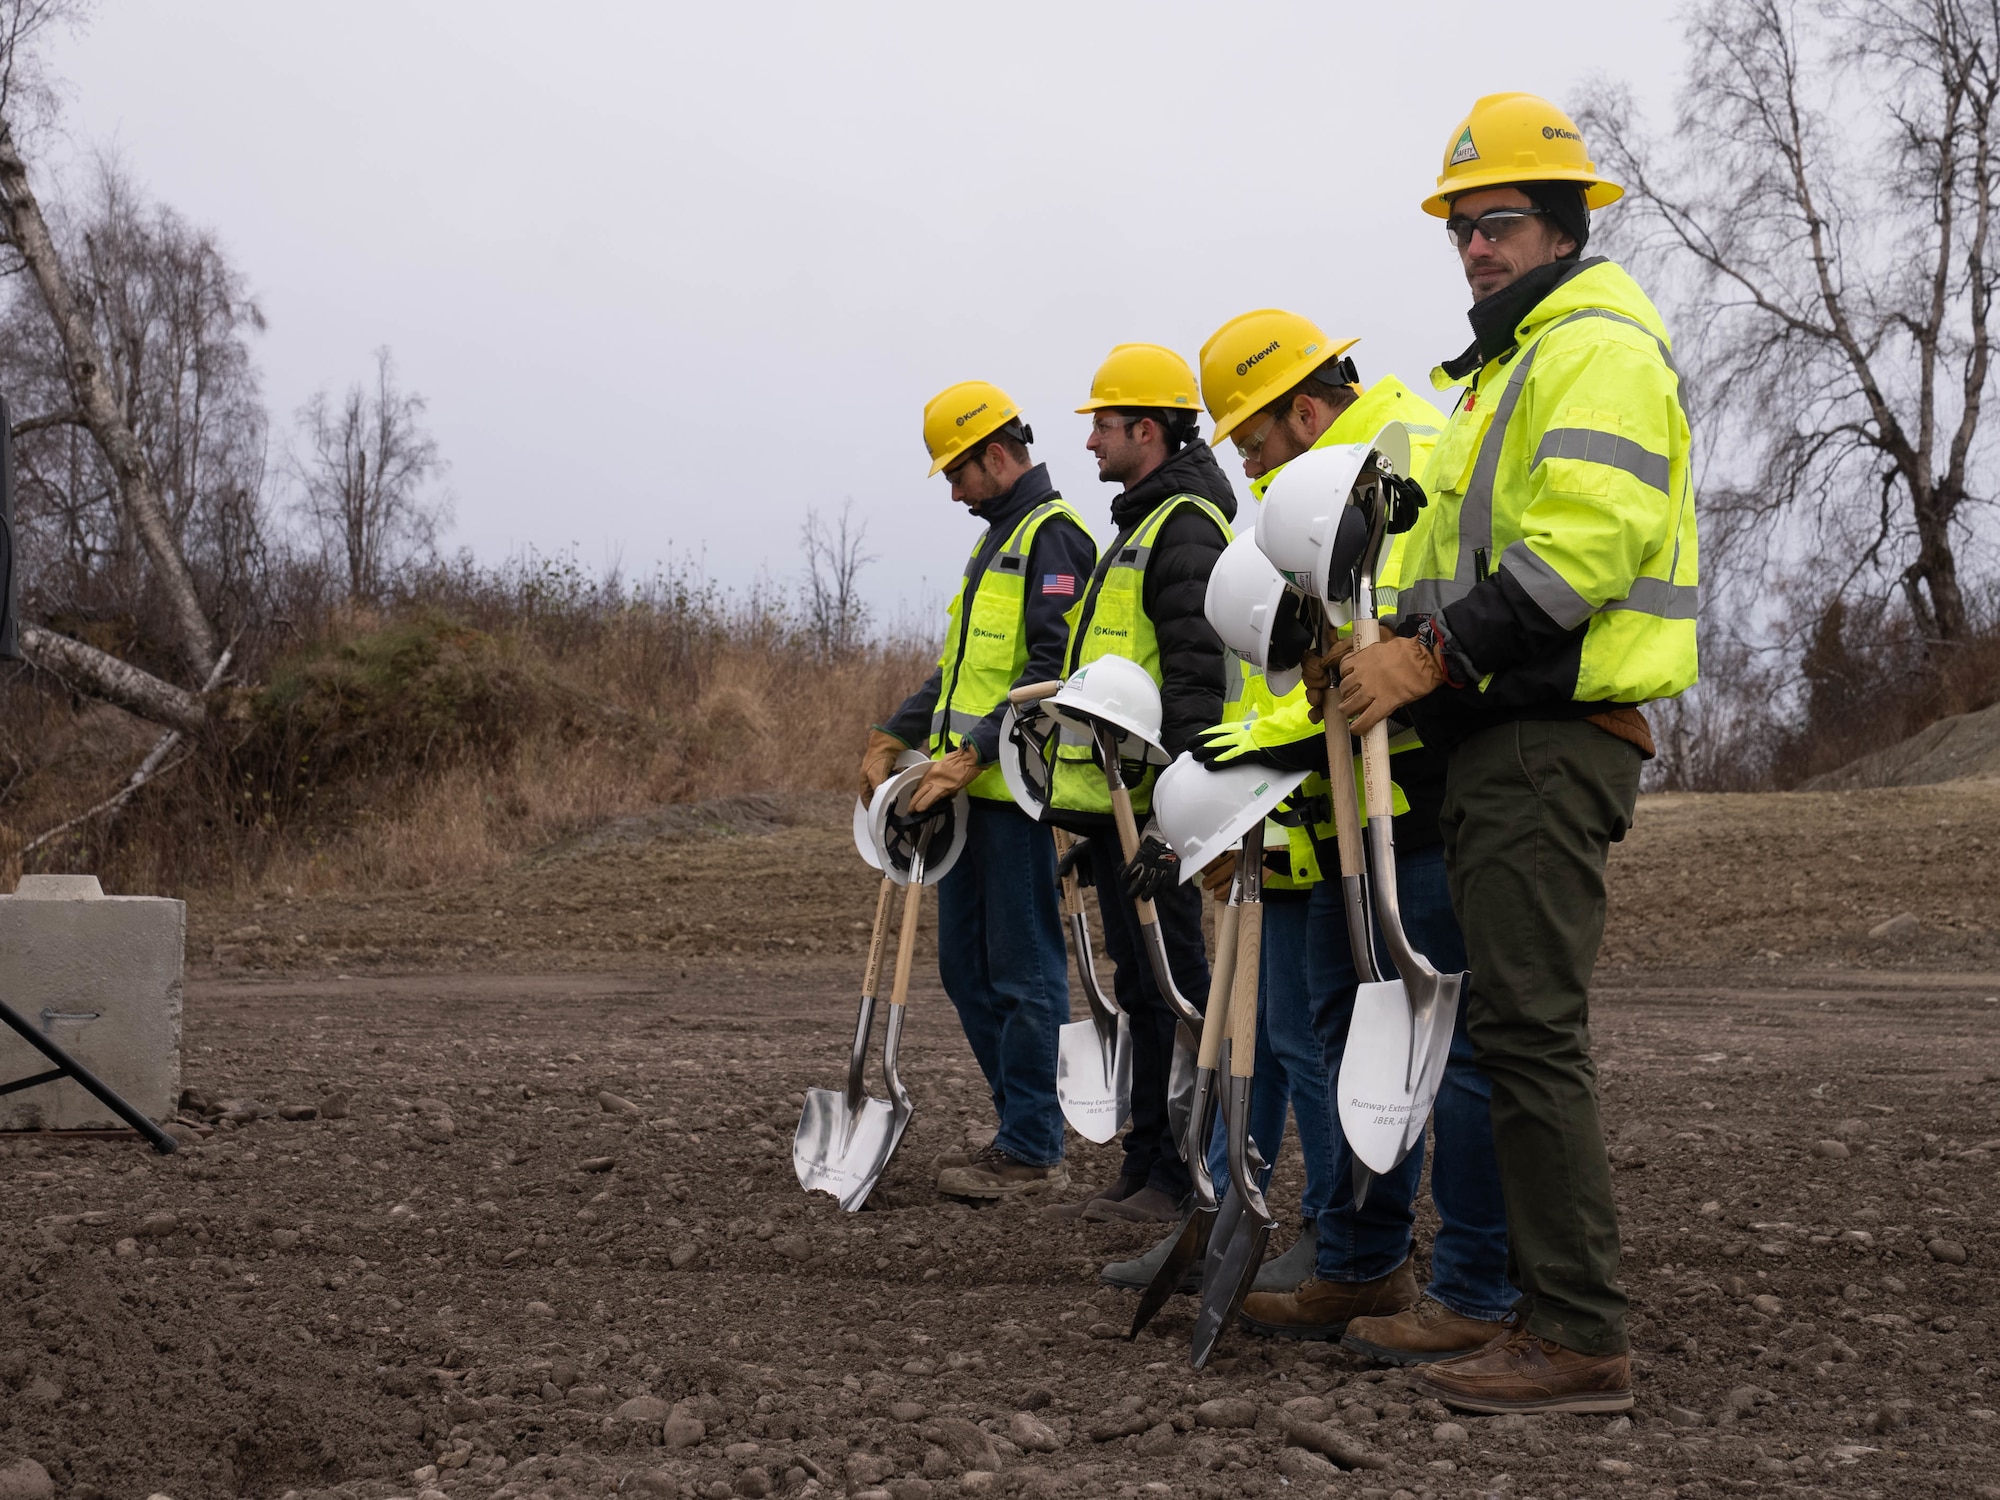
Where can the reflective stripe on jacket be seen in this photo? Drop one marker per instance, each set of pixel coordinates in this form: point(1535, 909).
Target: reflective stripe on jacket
point(1565, 478)
point(985, 647)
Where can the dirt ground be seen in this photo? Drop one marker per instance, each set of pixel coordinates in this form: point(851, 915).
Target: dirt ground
point(542, 1236)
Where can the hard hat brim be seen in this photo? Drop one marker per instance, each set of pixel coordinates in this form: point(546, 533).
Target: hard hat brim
point(940, 465)
point(1090, 406)
point(1270, 391)
point(1597, 192)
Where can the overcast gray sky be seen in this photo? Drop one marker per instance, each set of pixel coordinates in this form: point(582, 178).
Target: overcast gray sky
point(670, 274)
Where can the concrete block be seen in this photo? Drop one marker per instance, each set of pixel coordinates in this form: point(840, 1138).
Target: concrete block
point(102, 975)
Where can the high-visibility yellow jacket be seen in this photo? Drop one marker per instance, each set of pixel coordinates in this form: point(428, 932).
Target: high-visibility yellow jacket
point(1559, 545)
point(985, 648)
point(1114, 606)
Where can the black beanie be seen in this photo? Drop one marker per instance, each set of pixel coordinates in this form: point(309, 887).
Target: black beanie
point(1563, 202)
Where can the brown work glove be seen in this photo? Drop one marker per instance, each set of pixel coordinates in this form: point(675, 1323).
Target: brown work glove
point(1319, 673)
point(1379, 679)
point(879, 760)
point(946, 778)
point(1217, 873)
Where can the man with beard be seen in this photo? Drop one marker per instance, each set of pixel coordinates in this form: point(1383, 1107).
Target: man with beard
point(1144, 602)
point(1551, 594)
point(1000, 936)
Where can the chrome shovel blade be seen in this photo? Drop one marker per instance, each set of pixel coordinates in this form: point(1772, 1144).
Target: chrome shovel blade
point(842, 1151)
point(1433, 1043)
point(1181, 1073)
point(1387, 1084)
point(1375, 1102)
point(1094, 1077)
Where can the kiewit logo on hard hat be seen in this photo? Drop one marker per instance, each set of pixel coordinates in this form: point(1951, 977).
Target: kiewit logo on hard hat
point(1557, 133)
point(1257, 358)
point(973, 413)
point(1464, 151)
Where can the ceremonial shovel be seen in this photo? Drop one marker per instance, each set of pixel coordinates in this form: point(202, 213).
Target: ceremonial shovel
point(1244, 1222)
point(1180, 1073)
point(845, 1140)
point(1093, 1057)
point(1353, 870)
point(1400, 1036)
point(1192, 1241)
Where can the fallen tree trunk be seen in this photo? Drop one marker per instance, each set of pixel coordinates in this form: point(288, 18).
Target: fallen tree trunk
point(102, 675)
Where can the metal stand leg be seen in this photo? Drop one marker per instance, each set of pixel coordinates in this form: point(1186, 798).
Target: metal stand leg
point(68, 1067)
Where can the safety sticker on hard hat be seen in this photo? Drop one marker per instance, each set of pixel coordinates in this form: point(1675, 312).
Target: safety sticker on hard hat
point(1464, 151)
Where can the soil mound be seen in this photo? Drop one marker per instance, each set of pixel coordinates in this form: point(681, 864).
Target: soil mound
point(1954, 749)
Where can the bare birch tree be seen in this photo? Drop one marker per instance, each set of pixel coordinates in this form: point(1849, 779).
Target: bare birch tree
point(1821, 217)
point(174, 318)
point(364, 480)
point(93, 402)
point(836, 614)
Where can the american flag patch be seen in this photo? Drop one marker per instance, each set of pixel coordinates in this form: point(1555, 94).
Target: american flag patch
point(1063, 584)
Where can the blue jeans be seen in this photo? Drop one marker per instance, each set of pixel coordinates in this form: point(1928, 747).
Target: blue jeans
point(1003, 963)
point(1152, 1156)
point(1469, 1255)
point(1291, 1061)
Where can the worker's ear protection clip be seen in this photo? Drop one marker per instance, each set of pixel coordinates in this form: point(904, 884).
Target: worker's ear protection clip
point(1340, 371)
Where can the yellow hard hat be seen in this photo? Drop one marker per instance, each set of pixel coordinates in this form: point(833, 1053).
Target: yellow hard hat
point(1142, 375)
point(960, 415)
point(1511, 138)
point(1252, 360)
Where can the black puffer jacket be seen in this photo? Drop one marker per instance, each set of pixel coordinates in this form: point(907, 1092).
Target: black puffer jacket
point(1184, 554)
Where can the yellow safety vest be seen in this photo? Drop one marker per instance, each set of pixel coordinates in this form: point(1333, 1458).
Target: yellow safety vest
point(986, 647)
point(1567, 465)
point(1118, 626)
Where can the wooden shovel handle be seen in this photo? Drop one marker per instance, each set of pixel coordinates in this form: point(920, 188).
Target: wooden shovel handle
point(1128, 841)
point(1072, 893)
point(1375, 743)
point(871, 978)
point(1034, 692)
point(1340, 783)
point(906, 941)
point(1243, 991)
point(1215, 1023)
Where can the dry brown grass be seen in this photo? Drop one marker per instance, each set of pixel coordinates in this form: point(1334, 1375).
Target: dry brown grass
point(445, 736)
point(763, 725)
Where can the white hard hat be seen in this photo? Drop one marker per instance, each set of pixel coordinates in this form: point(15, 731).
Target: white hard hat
point(1204, 811)
point(1025, 733)
point(864, 837)
point(1117, 691)
point(1307, 526)
point(1247, 598)
point(896, 847)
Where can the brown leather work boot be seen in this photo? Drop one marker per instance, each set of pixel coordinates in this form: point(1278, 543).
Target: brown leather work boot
point(1525, 1372)
point(1150, 1205)
point(1323, 1309)
point(992, 1173)
point(1111, 1192)
point(1418, 1335)
point(948, 1159)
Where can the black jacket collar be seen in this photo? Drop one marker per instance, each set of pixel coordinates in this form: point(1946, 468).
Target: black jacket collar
point(1496, 319)
point(1192, 471)
point(1005, 511)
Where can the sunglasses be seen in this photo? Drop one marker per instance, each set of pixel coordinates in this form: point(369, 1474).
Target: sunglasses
point(1496, 225)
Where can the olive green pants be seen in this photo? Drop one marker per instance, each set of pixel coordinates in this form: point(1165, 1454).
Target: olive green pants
point(1530, 810)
